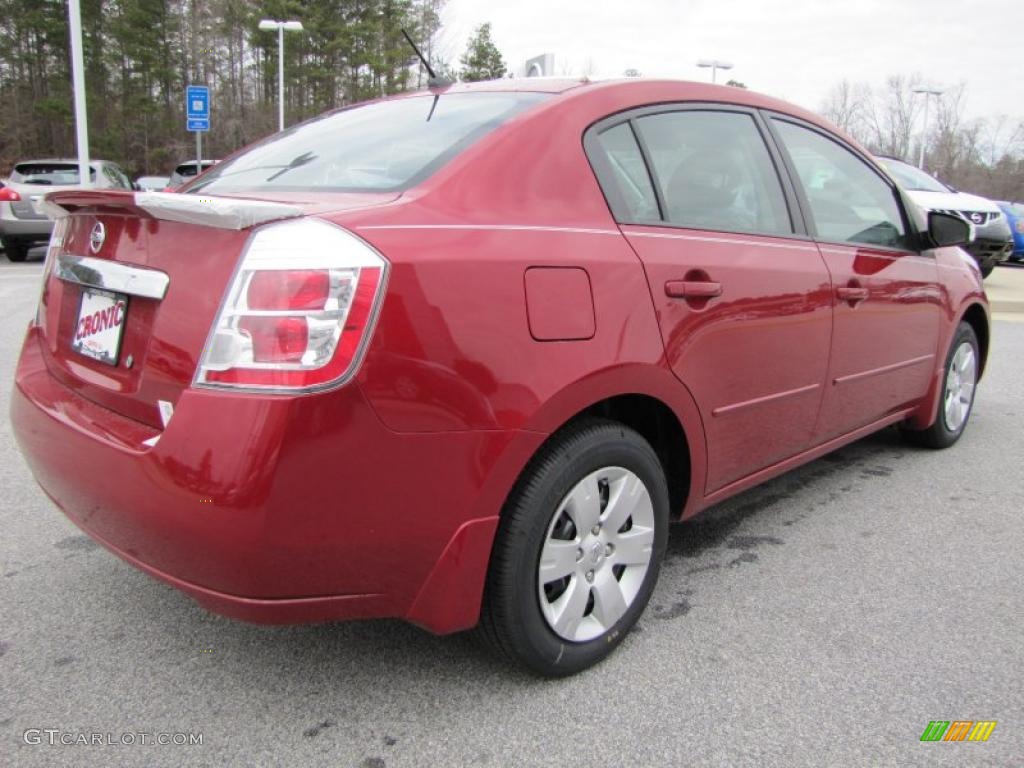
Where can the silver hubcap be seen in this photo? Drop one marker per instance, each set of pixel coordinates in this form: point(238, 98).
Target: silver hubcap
point(960, 380)
point(596, 554)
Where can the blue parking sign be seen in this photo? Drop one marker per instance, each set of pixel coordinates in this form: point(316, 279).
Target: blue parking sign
point(197, 108)
point(197, 102)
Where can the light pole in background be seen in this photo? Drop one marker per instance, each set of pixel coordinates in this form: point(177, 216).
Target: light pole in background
point(715, 65)
point(281, 27)
point(936, 92)
point(78, 83)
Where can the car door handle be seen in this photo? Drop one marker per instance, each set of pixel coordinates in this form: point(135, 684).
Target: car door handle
point(852, 293)
point(693, 289)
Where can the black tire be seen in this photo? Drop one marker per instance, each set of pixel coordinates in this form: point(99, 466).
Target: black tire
point(512, 623)
point(939, 434)
point(16, 250)
point(986, 271)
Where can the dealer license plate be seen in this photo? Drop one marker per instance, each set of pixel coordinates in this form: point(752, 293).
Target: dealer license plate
point(101, 320)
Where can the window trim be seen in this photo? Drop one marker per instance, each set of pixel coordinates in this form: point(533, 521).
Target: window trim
point(912, 233)
point(613, 195)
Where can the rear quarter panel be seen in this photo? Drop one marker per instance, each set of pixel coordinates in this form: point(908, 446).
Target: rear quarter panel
point(453, 348)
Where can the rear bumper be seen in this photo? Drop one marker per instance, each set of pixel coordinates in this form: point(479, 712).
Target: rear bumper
point(28, 229)
point(276, 509)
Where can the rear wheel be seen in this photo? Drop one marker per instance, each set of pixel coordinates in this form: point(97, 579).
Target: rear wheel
point(957, 398)
point(16, 250)
point(578, 550)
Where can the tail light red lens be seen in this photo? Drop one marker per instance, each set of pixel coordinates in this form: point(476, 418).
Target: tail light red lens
point(294, 289)
point(299, 311)
point(276, 339)
point(8, 195)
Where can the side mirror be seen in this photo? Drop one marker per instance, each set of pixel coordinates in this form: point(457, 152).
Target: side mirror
point(944, 229)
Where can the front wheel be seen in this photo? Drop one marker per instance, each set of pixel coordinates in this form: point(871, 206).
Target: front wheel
point(578, 550)
point(957, 398)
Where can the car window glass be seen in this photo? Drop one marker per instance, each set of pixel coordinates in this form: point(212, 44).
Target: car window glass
point(388, 145)
point(850, 203)
point(111, 175)
point(715, 172)
point(631, 177)
point(49, 174)
point(122, 179)
point(909, 177)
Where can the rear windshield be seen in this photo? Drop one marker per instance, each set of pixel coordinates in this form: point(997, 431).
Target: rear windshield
point(189, 169)
point(48, 173)
point(387, 146)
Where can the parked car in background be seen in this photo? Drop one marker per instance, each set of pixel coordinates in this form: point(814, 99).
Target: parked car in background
point(992, 242)
point(187, 171)
point(21, 225)
point(152, 183)
point(461, 356)
point(1014, 213)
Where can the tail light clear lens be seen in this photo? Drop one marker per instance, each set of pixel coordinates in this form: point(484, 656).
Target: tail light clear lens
point(53, 250)
point(299, 311)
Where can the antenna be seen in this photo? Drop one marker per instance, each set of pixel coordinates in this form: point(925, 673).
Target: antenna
point(433, 81)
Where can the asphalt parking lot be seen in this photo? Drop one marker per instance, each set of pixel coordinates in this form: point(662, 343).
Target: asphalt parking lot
point(822, 619)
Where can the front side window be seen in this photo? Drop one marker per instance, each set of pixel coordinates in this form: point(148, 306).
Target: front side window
point(850, 203)
point(386, 146)
point(715, 172)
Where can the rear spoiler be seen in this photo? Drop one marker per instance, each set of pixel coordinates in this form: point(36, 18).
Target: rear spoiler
point(205, 210)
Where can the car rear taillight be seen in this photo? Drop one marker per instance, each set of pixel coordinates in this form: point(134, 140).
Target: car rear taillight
point(299, 311)
point(8, 195)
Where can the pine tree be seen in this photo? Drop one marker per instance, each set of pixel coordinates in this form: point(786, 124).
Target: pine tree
point(482, 59)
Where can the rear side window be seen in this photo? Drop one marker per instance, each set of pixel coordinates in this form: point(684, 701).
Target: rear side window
point(117, 179)
point(631, 179)
point(849, 201)
point(714, 172)
point(381, 147)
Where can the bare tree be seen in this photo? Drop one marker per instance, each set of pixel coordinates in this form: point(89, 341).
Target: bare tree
point(847, 105)
point(891, 117)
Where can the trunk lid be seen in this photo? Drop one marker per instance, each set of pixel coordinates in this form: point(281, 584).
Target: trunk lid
point(133, 283)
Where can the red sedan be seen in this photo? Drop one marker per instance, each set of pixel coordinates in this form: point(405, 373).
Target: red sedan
point(461, 356)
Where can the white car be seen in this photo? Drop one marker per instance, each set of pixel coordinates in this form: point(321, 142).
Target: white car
point(187, 171)
point(152, 183)
point(993, 241)
point(21, 225)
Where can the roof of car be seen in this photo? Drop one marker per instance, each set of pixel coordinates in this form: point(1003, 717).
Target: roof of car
point(537, 84)
point(653, 89)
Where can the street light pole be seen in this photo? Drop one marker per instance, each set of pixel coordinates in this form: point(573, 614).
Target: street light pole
point(280, 26)
point(924, 130)
point(715, 65)
point(280, 77)
point(78, 82)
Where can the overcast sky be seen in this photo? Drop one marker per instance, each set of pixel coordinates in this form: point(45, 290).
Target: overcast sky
point(795, 50)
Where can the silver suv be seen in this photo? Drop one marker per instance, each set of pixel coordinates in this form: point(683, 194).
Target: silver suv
point(21, 226)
